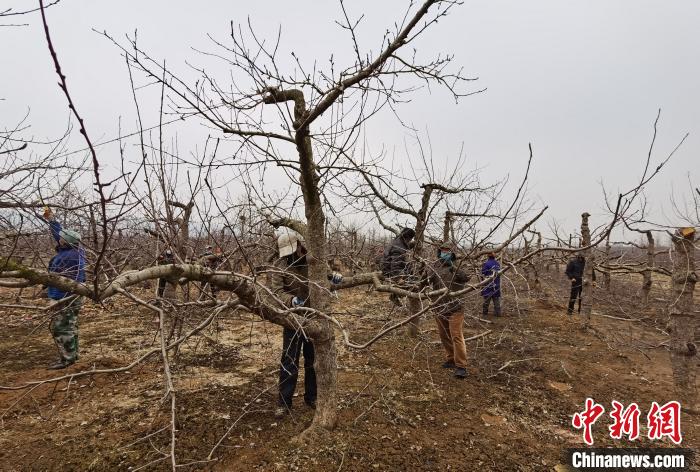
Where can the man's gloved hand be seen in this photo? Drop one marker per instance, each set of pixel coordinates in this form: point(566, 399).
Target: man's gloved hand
point(296, 301)
point(336, 278)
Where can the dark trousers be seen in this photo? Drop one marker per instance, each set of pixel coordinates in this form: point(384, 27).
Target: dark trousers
point(576, 289)
point(161, 287)
point(293, 343)
point(496, 305)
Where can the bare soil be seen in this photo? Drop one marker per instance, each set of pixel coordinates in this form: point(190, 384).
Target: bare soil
point(399, 410)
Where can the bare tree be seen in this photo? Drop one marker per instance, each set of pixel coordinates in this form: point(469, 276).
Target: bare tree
point(683, 319)
point(587, 292)
point(299, 105)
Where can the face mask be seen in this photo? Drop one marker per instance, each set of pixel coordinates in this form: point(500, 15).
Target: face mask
point(446, 256)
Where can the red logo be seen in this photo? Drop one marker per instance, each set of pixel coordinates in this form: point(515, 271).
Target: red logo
point(665, 421)
point(625, 421)
point(587, 418)
point(662, 421)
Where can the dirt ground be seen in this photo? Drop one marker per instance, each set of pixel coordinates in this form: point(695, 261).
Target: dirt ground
point(399, 410)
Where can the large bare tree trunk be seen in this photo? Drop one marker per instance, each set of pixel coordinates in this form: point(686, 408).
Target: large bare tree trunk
point(321, 330)
point(326, 366)
point(587, 295)
point(682, 319)
point(323, 335)
point(413, 326)
point(414, 305)
point(646, 274)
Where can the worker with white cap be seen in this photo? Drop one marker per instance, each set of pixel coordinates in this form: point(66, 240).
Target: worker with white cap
point(290, 283)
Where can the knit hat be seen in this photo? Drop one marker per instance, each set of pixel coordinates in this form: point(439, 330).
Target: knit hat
point(70, 236)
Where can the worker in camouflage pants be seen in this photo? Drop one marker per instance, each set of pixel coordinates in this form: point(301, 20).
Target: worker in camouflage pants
point(68, 262)
point(64, 329)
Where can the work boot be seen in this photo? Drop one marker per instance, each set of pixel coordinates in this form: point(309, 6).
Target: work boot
point(448, 365)
point(281, 412)
point(61, 364)
point(461, 373)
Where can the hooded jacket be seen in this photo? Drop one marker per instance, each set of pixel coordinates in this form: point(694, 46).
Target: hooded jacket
point(69, 262)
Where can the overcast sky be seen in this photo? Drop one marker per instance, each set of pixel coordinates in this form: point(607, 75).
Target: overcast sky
point(582, 81)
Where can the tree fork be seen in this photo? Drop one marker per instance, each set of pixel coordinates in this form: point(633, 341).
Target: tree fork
point(321, 330)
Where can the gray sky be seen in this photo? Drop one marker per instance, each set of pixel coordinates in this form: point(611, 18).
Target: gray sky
point(580, 80)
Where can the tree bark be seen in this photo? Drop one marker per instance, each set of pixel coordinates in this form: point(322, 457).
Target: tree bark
point(682, 319)
point(414, 306)
point(646, 274)
point(607, 284)
point(587, 294)
point(326, 365)
point(537, 262)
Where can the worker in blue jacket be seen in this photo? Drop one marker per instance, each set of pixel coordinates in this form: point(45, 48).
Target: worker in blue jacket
point(69, 262)
point(492, 291)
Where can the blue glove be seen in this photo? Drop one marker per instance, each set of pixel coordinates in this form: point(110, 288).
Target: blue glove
point(336, 278)
point(296, 301)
